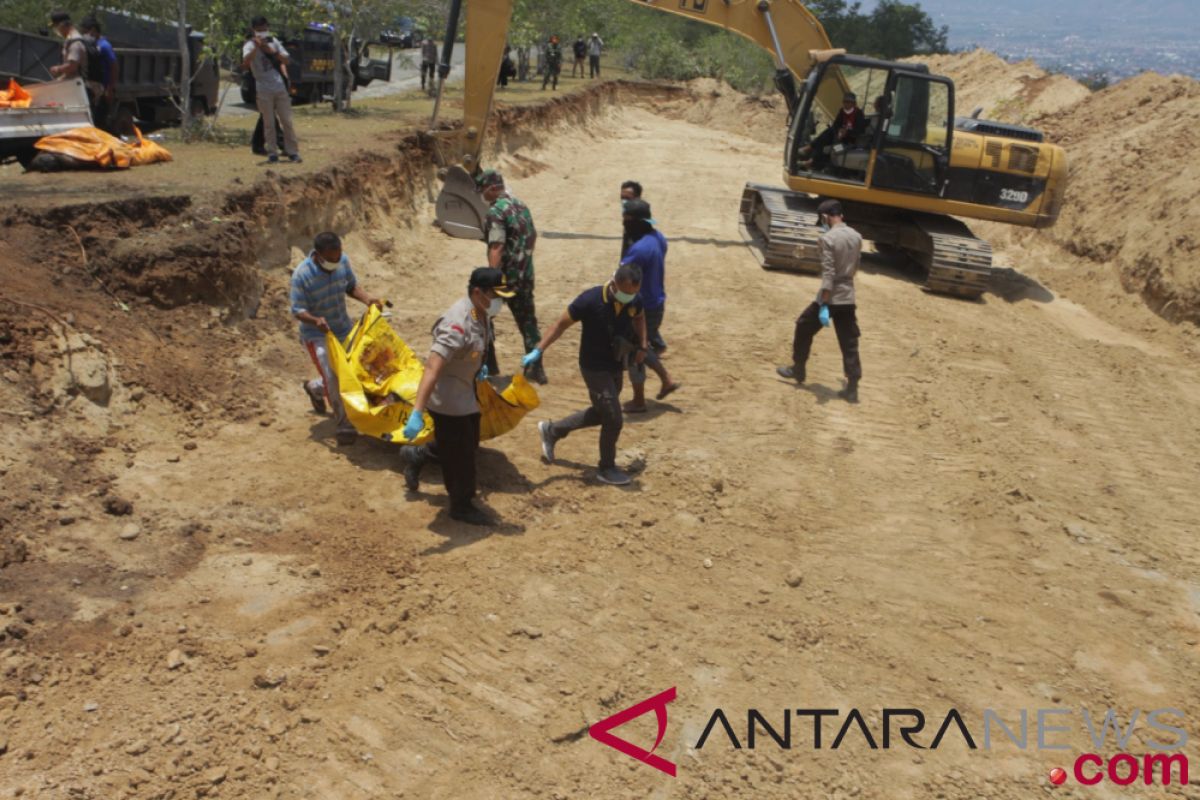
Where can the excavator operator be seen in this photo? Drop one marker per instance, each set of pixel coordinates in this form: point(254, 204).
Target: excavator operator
point(847, 126)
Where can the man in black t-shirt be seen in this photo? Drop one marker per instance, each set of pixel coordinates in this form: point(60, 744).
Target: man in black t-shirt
point(614, 329)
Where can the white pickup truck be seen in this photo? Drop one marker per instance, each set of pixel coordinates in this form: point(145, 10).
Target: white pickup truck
point(54, 107)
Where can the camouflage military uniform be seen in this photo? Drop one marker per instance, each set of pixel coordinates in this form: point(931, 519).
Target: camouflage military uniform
point(509, 222)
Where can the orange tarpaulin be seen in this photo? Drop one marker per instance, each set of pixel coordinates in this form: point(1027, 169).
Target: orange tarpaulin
point(94, 146)
point(14, 96)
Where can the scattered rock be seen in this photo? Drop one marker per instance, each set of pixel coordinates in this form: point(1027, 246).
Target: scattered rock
point(91, 706)
point(130, 532)
point(262, 681)
point(708, 563)
point(794, 579)
point(173, 459)
point(138, 747)
point(137, 394)
point(271, 763)
point(308, 716)
point(322, 650)
point(250, 652)
point(118, 506)
point(66, 519)
point(16, 631)
point(312, 571)
point(527, 631)
point(239, 542)
point(174, 659)
point(216, 775)
point(189, 446)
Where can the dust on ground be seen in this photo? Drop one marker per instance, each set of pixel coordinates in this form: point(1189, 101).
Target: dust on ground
point(202, 596)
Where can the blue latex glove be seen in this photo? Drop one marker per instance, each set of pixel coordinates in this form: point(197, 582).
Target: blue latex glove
point(483, 373)
point(823, 315)
point(415, 424)
point(532, 356)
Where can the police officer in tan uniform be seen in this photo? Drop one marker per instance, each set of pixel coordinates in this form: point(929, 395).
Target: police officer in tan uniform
point(447, 391)
point(841, 252)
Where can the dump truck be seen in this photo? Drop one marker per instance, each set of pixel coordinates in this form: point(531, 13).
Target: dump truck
point(148, 69)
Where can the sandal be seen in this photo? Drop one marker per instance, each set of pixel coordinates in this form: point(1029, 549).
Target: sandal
point(666, 390)
point(632, 408)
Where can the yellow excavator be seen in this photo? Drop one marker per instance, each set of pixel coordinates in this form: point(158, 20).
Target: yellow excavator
point(905, 176)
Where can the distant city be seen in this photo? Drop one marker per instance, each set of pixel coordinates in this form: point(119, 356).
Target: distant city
point(1082, 38)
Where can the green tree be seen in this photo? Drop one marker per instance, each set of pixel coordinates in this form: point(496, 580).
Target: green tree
point(898, 30)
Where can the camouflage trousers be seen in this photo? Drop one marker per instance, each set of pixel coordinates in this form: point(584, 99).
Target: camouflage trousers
point(521, 305)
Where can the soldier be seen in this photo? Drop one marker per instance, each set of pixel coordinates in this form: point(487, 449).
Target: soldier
point(460, 342)
point(554, 57)
point(841, 251)
point(511, 238)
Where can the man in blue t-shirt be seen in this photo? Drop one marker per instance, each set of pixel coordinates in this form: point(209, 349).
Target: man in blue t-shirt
point(614, 331)
point(105, 107)
point(318, 296)
point(648, 250)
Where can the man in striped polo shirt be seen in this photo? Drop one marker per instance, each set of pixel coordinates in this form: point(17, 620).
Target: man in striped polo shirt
point(319, 288)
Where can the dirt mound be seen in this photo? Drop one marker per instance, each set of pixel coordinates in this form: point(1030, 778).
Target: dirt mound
point(1006, 92)
point(715, 104)
point(1134, 187)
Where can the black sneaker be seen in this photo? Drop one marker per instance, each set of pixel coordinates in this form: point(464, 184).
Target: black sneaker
point(548, 440)
point(472, 515)
point(850, 393)
point(613, 476)
point(273, 159)
point(414, 459)
point(791, 373)
point(296, 159)
point(316, 398)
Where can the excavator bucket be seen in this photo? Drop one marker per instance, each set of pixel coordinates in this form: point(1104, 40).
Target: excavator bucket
point(461, 211)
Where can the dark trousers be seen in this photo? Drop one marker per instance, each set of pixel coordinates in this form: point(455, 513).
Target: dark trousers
point(551, 76)
point(427, 68)
point(578, 65)
point(637, 372)
point(845, 325)
point(604, 389)
point(594, 63)
point(258, 140)
point(457, 442)
point(523, 311)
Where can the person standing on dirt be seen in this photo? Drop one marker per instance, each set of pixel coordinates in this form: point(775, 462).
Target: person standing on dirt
point(507, 68)
point(630, 190)
point(554, 59)
point(429, 57)
point(320, 285)
point(265, 57)
point(461, 338)
point(841, 252)
point(511, 238)
point(648, 252)
point(614, 332)
point(579, 48)
point(104, 108)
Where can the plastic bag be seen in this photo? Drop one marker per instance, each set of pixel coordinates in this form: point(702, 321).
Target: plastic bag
point(378, 376)
point(14, 96)
point(94, 146)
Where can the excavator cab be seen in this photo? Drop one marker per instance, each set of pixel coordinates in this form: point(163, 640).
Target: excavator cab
point(903, 120)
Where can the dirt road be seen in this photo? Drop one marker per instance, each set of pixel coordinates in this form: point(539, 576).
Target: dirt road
point(1006, 522)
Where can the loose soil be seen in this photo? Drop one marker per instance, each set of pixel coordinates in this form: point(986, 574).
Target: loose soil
point(201, 595)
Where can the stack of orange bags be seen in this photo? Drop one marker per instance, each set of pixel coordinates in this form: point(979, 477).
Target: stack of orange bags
point(14, 96)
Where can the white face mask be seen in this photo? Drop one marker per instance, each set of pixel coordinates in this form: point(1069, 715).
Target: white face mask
point(495, 306)
point(330, 266)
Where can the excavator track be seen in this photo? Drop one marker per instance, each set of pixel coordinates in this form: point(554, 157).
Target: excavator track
point(781, 228)
point(955, 261)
